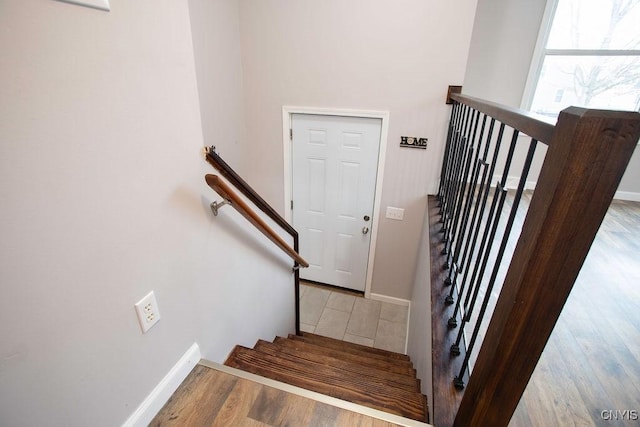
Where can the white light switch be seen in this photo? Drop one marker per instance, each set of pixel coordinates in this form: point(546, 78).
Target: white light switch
point(395, 213)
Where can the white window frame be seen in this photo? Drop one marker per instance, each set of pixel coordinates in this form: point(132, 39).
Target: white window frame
point(540, 52)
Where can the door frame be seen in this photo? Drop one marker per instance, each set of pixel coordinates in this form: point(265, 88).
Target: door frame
point(287, 112)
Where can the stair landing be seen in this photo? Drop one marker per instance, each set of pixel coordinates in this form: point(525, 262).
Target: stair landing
point(212, 397)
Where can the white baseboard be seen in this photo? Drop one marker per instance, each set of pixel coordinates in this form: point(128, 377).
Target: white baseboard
point(152, 404)
point(392, 300)
point(627, 195)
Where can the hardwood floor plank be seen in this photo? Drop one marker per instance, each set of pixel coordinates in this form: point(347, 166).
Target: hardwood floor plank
point(325, 415)
point(297, 411)
point(592, 360)
point(267, 406)
point(236, 407)
point(209, 397)
point(203, 386)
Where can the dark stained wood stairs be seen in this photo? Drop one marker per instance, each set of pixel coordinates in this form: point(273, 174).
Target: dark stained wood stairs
point(367, 376)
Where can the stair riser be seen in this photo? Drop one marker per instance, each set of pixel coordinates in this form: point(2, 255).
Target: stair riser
point(332, 342)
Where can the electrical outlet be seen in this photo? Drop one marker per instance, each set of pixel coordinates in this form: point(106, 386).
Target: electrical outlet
point(147, 310)
point(395, 213)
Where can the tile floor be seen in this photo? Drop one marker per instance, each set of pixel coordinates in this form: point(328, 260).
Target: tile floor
point(352, 318)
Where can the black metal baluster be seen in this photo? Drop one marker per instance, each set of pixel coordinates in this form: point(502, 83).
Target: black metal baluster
point(465, 229)
point(459, 190)
point(498, 193)
point(447, 149)
point(464, 196)
point(480, 164)
point(486, 245)
point(459, 381)
point(458, 153)
point(479, 210)
point(453, 147)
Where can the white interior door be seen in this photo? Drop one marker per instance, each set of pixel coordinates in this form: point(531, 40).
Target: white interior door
point(334, 168)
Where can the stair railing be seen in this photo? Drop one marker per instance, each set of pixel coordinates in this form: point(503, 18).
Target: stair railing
point(231, 198)
point(587, 154)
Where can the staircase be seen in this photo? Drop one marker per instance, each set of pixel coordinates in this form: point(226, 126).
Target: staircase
point(367, 376)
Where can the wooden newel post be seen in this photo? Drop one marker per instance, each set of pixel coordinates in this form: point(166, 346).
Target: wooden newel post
point(587, 156)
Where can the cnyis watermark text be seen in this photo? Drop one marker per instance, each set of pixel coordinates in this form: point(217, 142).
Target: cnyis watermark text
point(619, 414)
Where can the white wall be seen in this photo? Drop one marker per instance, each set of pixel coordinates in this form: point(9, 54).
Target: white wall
point(503, 43)
point(215, 29)
point(629, 188)
point(398, 56)
point(103, 199)
point(419, 335)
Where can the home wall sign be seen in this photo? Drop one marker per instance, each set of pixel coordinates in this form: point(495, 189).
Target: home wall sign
point(413, 142)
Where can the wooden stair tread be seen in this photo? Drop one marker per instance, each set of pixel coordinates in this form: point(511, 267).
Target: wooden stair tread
point(377, 375)
point(360, 359)
point(349, 346)
point(330, 381)
point(354, 349)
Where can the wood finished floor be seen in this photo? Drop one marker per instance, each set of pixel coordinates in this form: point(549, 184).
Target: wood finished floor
point(209, 397)
point(591, 364)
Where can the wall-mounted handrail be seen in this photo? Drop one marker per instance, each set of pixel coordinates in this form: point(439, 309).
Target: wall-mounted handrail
point(236, 180)
point(238, 204)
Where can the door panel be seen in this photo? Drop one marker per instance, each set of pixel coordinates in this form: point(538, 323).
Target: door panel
point(334, 175)
point(316, 185)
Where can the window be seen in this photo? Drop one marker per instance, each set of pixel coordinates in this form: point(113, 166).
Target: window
point(590, 57)
point(559, 95)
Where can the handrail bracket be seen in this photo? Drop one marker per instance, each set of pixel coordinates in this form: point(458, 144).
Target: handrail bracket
point(215, 206)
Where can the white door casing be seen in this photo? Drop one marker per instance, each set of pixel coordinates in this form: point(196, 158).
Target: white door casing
point(334, 170)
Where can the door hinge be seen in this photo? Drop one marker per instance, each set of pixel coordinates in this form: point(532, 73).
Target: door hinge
point(291, 204)
point(291, 134)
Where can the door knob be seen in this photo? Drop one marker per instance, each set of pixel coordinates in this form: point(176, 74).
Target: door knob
point(365, 230)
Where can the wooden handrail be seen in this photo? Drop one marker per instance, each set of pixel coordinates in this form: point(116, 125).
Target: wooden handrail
point(236, 180)
point(238, 204)
point(523, 120)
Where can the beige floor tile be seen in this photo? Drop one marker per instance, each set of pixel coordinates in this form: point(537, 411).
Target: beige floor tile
point(307, 328)
point(312, 304)
point(364, 323)
point(363, 305)
point(341, 302)
point(303, 289)
point(391, 336)
point(358, 340)
point(394, 312)
point(332, 323)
